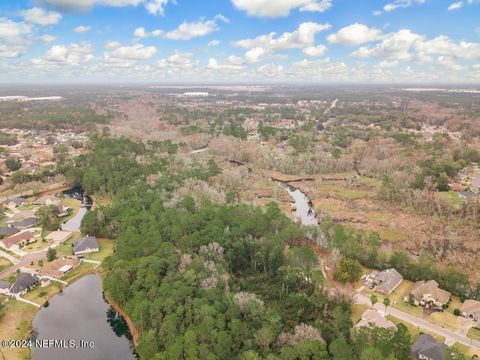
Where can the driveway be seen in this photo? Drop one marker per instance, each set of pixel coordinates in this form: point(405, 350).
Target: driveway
point(26, 260)
point(450, 336)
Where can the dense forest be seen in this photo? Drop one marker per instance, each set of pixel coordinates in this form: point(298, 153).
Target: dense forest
point(202, 280)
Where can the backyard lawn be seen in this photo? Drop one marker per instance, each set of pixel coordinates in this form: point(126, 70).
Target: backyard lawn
point(105, 249)
point(16, 324)
point(82, 270)
point(40, 294)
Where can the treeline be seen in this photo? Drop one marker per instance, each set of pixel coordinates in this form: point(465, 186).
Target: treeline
point(113, 164)
point(365, 248)
point(45, 116)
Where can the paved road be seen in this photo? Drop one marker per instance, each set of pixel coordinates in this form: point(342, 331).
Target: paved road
point(26, 260)
point(450, 336)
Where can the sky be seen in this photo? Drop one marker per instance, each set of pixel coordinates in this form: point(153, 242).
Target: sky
point(248, 41)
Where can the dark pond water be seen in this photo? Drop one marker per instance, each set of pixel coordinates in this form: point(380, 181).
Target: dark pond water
point(81, 313)
point(77, 193)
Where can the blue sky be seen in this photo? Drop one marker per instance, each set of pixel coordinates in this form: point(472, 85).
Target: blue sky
point(240, 40)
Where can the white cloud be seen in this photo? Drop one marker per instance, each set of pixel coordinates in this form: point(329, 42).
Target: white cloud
point(82, 29)
point(14, 36)
point(322, 69)
point(65, 55)
point(280, 8)
point(185, 31)
point(47, 38)
point(443, 45)
point(154, 7)
point(40, 16)
point(213, 43)
point(113, 45)
point(401, 4)
point(178, 62)
point(140, 33)
point(214, 65)
point(303, 37)
point(455, 6)
point(134, 52)
point(355, 34)
point(11, 51)
point(449, 63)
point(12, 31)
point(255, 55)
point(318, 50)
point(270, 70)
point(398, 4)
point(190, 30)
point(394, 46)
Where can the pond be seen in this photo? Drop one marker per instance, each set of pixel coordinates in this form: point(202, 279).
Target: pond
point(80, 313)
point(77, 193)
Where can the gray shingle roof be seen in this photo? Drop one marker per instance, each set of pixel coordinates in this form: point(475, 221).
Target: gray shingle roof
point(26, 223)
point(5, 284)
point(23, 282)
point(6, 231)
point(85, 243)
point(427, 346)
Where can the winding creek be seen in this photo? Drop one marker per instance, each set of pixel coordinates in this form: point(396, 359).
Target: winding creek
point(302, 205)
point(81, 313)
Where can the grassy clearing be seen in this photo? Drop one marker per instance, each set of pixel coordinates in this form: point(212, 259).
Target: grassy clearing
point(451, 198)
point(375, 183)
point(474, 333)
point(391, 235)
point(16, 324)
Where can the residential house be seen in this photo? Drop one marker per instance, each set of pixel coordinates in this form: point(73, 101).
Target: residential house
point(471, 309)
point(384, 282)
point(24, 283)
point(5, 287)
point(18, 241)
point(47, 200)
point(373, 319)
point(6, 231)
point(427, 293)
point(427, 348)
point(14, 203)
point(25, 223)
point(85, 245)
point(59, 267)
point(64, 211)
point(58, 236)
point(456, 187)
